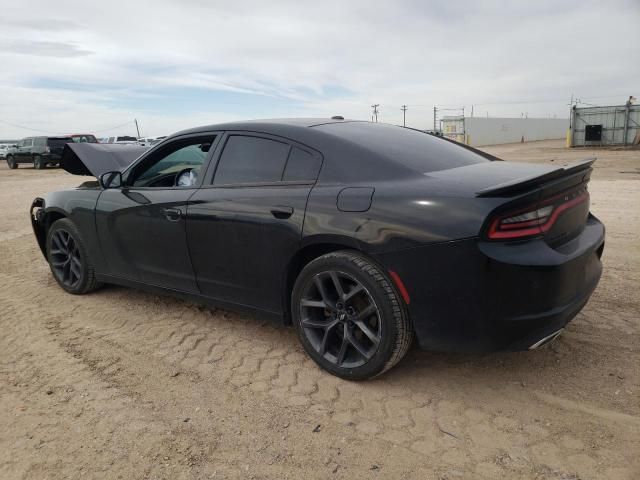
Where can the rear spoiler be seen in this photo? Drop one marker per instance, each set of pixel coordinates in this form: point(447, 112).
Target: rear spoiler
point(94, 159)
point(522, 184)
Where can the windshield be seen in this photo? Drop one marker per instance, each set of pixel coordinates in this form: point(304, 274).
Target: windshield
point(415, 149)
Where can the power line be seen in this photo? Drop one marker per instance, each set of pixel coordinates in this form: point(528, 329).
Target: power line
point(63, 133)
point(113, 128)
point(27, 128)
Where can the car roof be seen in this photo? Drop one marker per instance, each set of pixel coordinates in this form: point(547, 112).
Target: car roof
point(46, 136)
point(266, 125)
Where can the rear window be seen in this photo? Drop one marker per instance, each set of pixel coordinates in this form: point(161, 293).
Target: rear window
point(301, 166)
point(58, 141)
point(417, 150)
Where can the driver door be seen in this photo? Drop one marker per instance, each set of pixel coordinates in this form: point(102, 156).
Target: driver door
point(142, 225)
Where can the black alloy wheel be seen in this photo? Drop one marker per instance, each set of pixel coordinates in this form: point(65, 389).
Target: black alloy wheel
point(38, 163)
point(340, 319)
point(65, 258)
point(11, 161)
point(349, 317)
point(68, 259)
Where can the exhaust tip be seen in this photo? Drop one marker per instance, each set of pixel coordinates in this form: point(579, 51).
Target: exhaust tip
point(546, 340)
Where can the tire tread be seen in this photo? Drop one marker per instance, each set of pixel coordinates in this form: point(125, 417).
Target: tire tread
point(91, 282)
point(400, 318)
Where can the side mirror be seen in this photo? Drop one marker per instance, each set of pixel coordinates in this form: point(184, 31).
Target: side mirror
point(111, 180)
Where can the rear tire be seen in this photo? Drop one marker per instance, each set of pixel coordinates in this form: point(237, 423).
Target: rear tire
point(11, 161)
point(38, 163)
point(349, 317)
point(68, 258)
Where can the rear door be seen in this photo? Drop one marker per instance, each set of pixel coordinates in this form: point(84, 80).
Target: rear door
point(23, 153)
point(141, 226)
point(245, 223)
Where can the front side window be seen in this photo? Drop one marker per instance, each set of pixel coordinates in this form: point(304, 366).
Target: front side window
point(248, 159)
point(178, 164)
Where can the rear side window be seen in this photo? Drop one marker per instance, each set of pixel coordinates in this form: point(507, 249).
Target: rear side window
point(416, 150)
point(251, 160)
point(301, 166)
point(40, 142)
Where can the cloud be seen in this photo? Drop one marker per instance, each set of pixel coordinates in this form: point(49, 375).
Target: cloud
point(155, 60)
point(43, 49)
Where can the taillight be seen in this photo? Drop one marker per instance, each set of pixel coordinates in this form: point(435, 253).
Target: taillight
point(47, 149)
point(535, 220)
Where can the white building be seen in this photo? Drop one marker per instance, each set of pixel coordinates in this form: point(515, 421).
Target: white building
point(478, 131)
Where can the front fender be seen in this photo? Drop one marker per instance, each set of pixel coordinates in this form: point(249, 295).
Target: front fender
point(37, 215)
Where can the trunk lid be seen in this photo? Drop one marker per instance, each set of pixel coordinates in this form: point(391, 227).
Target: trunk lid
point(530, 200)
point(554, 204)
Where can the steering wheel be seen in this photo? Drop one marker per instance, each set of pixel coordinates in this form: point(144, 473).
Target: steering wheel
point(186, 178)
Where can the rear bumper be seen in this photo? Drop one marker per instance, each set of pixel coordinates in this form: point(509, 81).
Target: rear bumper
point(51, 158)
point(475, 296)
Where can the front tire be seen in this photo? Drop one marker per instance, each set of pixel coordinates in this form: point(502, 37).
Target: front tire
point(349, 317)
point(11, 161)
point(68, 258)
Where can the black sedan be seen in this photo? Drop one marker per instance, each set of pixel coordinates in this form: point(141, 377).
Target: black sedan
point(362, 235)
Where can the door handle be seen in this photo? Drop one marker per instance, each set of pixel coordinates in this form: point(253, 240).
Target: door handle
point(282, 212)
point(172, 214)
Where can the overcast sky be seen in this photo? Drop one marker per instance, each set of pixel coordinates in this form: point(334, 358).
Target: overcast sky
point(71, 66)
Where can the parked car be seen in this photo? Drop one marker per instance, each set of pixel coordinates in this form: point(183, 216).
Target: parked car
point(361, 235)
point(4, 148)
point(122, 139)
point(84, 138)
point(38, 151)
point(145, 142)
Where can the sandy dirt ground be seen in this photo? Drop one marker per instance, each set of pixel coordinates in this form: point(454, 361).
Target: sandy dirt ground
point(123, 384)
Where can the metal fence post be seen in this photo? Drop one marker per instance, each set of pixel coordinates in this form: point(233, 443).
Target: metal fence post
point(627, 111)
point(572, 126)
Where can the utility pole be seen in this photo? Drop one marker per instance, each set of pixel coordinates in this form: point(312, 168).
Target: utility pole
point(571, 115)
point(435, 114)
point(137, 129)
point(375, 111)
point(404, 115)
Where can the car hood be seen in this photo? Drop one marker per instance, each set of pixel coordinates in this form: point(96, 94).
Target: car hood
point(95, 158)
